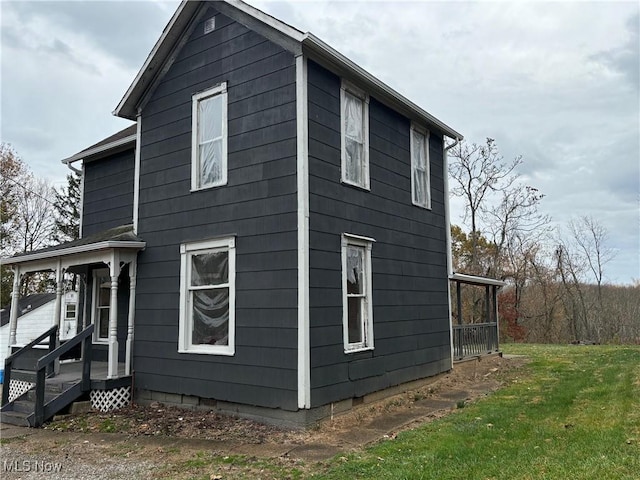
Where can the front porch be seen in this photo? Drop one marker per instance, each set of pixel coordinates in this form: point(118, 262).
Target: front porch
point(105, 265)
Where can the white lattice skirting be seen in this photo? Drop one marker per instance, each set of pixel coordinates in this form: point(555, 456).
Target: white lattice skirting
point(18, 388)
point(109, 400)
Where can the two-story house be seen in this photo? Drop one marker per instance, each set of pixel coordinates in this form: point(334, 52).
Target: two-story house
point(270, 237)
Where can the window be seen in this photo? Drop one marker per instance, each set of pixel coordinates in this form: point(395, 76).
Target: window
point(357, 307)
point(101, 303)
point(207, 297)
point(420, 182)
point(70, 311)
point(354, 106)
point(209, 138)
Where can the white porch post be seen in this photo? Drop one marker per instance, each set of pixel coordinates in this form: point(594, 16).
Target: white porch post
point(131, 317)
point(114, 270)
point(13, 318)
point(57, 309)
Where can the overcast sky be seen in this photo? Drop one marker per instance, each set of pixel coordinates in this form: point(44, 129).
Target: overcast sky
point(555, 82)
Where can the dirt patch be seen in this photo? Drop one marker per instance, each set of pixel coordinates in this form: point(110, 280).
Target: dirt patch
point(465, 383)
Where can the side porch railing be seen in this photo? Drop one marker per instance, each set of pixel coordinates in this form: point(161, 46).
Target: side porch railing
point(474, 340)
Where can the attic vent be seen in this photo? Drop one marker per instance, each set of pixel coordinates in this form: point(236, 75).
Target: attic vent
point(210, 25)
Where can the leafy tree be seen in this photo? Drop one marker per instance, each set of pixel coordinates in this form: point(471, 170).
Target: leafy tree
point(67, 205)
point(13, 174)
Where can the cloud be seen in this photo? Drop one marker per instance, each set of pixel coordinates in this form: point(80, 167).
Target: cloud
point(555, 82)
point(624, 59)
point(107, 26)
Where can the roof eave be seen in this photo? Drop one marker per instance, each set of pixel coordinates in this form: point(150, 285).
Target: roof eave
point(122, 142)
point(91, 247)
point(476, 280)
point(320, 50)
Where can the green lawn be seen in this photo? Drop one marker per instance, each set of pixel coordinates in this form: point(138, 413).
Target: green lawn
point(572, 413)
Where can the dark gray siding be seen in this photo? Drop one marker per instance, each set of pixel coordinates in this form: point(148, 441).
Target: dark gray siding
point(258, 205)
point(411, 327)
point(108, 193)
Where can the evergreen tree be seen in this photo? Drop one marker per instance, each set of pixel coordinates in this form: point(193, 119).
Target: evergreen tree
point(67, 204)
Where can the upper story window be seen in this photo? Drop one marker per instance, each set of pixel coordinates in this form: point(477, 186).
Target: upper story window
point(209, 138)
point(357, 305)
point(420, 181)
point(207, 297)
point(354, 105)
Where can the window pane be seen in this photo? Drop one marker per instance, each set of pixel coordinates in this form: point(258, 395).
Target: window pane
point(419, 153)
point(355, 266)
point(210, 155)
point(353, 117)
point(420, 185)
point(209, 118)
point(103, 323)
point(354, 161)
point(104, 293)
point(210, 268)
point(210, 313)
point(355, 320)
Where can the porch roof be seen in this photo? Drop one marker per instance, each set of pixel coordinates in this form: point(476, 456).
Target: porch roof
point(476, 280)
point(121, 237)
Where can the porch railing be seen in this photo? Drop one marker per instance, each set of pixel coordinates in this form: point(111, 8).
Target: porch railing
point(44, 363)
point(17, 359)
point(474, 339)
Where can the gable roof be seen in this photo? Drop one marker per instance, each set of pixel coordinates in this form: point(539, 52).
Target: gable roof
point(26, 304)
point(290, 38)
point(120, 141)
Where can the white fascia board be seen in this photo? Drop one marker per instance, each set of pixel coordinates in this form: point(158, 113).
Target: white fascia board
point(464, 278)
point(91, 247)
point(318, 48)
point(100, 149)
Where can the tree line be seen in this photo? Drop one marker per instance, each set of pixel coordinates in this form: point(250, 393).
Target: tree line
point(556, 284)
point(34, 215)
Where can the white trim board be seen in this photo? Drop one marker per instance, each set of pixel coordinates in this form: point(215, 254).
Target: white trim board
point(302, 127)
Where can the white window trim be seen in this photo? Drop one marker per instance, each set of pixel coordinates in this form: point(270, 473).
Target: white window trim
point(353, 90)
point(195, 174)
point(366, 242)
point(94, 306)
point(425, 132)
point(185, 326)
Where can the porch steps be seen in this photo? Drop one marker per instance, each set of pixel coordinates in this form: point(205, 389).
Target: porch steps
point(58, 394)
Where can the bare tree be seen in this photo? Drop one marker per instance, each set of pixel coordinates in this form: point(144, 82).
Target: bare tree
point(477, 172)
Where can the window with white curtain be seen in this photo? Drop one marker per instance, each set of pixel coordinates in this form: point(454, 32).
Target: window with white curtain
point(357, 306)
point(207, 297)
point(354, 119)
point(209, 138)
point(420, 181)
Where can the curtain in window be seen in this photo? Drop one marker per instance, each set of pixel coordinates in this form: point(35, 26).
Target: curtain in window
point(355, 293)
point(353, 142)
point(210, 306)
point(210, 139)
point(420, 171)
